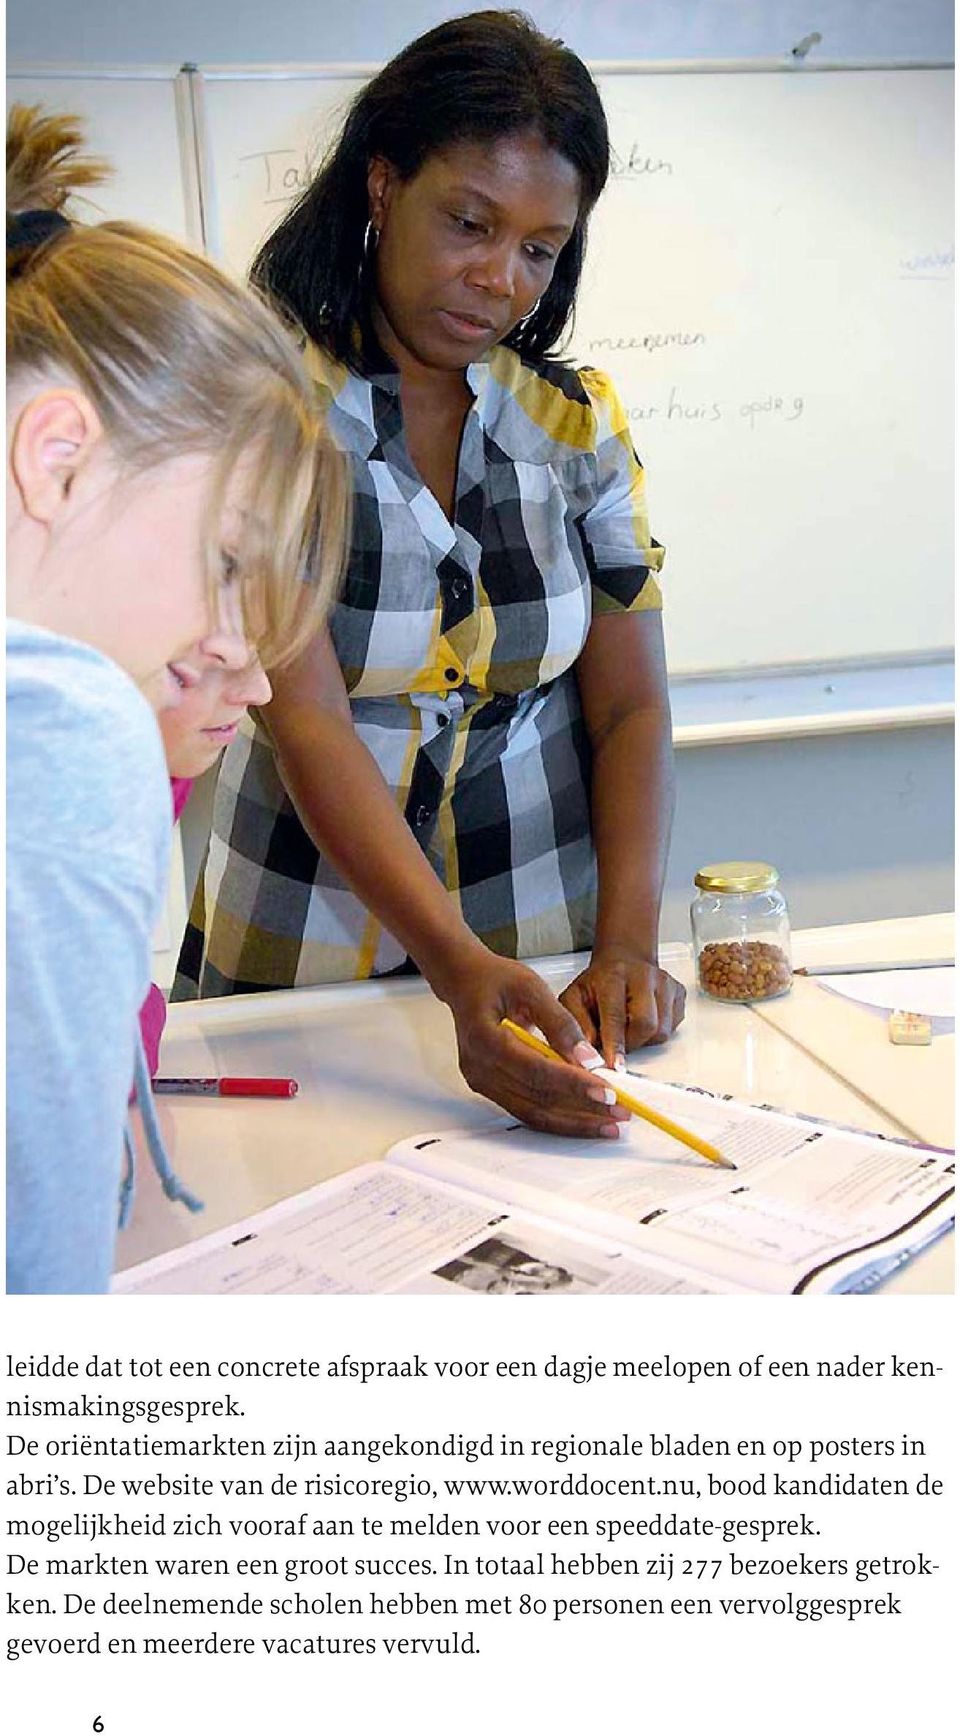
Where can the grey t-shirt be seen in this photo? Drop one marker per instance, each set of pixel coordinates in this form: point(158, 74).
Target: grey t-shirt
point(88, 841)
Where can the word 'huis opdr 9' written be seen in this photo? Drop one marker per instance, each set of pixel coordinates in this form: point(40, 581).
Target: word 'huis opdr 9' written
point(765, 410)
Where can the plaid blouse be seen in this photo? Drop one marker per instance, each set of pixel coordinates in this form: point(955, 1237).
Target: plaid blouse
point(457, 643)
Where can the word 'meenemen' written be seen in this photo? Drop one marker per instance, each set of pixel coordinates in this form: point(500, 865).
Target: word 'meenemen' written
point(648, 341)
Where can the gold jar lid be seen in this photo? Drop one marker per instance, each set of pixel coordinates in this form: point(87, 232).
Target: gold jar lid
point(737, 877)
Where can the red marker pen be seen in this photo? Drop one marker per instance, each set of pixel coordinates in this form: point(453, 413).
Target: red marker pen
point(226, 1087)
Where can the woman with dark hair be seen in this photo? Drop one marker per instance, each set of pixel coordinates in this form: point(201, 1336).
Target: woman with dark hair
point(492, 690)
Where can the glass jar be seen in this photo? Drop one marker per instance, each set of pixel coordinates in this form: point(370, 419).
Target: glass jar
point(741, 932)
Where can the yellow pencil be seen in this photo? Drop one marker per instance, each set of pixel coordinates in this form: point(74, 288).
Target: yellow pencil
point(629, 1100)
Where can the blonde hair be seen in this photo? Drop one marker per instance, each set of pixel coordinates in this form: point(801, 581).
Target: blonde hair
point(178, 359)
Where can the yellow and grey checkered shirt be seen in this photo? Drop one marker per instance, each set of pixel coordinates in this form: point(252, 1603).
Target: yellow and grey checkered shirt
point(458, 643)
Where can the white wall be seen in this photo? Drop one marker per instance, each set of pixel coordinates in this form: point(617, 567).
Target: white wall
point(104, 32)
point(860, 826)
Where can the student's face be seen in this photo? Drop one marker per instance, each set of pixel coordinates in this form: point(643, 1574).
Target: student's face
point(468, 245)
point(212, 702)
point(142, 592)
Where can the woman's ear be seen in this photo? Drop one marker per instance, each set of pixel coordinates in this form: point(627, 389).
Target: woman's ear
point(381, 176)
point(56, 434)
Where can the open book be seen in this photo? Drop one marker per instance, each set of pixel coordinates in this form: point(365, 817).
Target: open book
point(507, 1211)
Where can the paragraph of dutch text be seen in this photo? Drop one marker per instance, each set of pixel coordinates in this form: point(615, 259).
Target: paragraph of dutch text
point(168, 1506)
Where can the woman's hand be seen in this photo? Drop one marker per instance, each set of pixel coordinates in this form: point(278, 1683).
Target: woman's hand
point(554, 1096)
point(624, 1003)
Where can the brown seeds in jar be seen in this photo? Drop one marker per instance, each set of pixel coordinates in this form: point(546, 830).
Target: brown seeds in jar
point(743, 970)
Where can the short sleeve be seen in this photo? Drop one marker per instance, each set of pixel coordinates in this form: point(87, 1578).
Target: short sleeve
point(622, 556)
point(88, 837)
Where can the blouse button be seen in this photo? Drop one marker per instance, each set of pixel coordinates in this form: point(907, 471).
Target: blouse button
point(422, 816)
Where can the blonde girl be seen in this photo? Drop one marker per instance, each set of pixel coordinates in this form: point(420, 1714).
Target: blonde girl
point(167, 487)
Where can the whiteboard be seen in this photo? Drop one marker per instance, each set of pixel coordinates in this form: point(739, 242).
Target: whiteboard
point(769, 283)
point(139, 120)
point(778, 251)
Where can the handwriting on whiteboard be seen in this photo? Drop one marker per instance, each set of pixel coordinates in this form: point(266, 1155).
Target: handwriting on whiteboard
point(937, 264)
point(773, 408)
point(634, 161)
point(278, 177)
point(282, 174)
point(648, 341)
point(764, 409)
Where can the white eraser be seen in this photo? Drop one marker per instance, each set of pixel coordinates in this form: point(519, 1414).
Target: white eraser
point(910, 1028)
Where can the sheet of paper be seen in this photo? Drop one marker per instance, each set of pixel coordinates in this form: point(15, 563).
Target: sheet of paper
point(929, 991)
point(802, 1196)
point(914, 1088)
point(645, 1172)
point(843, 1195)
point(377, 1229)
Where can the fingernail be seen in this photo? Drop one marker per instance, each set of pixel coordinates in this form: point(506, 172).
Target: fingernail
point(586, 1055)
point(620, 1112)
point(619, 1062)
point(601, 1094)
point(610, 1130)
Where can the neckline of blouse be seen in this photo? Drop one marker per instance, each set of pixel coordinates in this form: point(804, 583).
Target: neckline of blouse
point(477, 375)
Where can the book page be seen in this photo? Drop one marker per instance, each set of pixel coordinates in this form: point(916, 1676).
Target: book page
point(840, 1196)
point(379, 1229)
point(801, 1197)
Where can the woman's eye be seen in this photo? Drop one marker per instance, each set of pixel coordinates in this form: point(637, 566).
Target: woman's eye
point(539, 255)
point(470, 225)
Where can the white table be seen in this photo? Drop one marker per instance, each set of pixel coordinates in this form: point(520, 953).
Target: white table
point(377, 1062)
